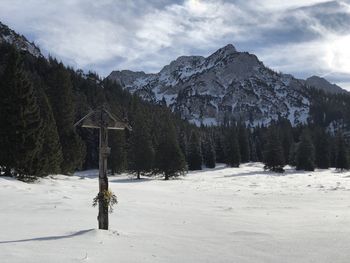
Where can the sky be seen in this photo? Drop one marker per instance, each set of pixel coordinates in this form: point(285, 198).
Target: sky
point(300, 37)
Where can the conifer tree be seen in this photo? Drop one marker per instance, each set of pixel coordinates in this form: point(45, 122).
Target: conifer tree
point(342, 160)
point(220, 148)
point(141, 154)
point(209, 153)
point(305, 155)
point(273, 151)
point(50, 157)
point(169, 157)
point(194, 158)
point(183, 142)
point(117, 161)
point(60, 93)
point(333, 152)
point(253, 150)
point(74, 151)
point(292, 154)
point(257, 143)
point(21, 124)
point(286, 138)
point(322, 149)
point(233, 152)
point(243, 144)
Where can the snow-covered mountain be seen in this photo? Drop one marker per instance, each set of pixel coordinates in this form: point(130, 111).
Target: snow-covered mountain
point(9, 36)
point(226, 84)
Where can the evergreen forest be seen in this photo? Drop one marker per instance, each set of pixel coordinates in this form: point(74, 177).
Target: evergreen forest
point(41, 99)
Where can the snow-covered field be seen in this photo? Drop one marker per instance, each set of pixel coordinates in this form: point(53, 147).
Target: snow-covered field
point(219, 215)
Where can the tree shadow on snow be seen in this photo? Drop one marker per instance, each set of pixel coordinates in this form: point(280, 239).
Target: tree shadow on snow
point(252, 173)
point(7, 178)
point(288, 171)
point(78, 233)
point(127, 180)
point(205, 169)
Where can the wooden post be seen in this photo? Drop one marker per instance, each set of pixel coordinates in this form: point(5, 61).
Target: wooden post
point(102, 178)
point(103, 120)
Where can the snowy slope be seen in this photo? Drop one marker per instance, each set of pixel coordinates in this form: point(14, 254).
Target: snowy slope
point(220, 215)
point(9, 36)
point(226, 84)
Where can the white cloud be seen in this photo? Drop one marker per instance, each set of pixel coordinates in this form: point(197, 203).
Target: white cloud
point(185, 26)
point(338, 54)
point(328, 57)
point(145, 35)
point(283, 5)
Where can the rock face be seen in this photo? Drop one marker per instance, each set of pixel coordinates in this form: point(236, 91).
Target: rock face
point(324, 85)
point(226, 84)
point(9, 36)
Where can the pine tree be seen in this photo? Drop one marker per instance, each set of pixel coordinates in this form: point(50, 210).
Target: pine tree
point(194, 158)
point(322, 149)
point(286, 138)
point(141, 154)
point(169, 157)
point(243, 144)
point(117, 160)
point(50, 157)
point(209, 153)
point(183, 143)
point(257, 142)
point(22, 126)
point(220, 148)
point(273, 151)
point(232, 146)
point(333, 152)
point(253, 150)
point(74, 152)
point(305, 155)
point(60, 93)
point(342, 159)
point(292, 161)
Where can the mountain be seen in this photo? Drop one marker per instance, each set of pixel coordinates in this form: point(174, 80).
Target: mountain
point(324, 85)
point(9, 36)
point(226, 84)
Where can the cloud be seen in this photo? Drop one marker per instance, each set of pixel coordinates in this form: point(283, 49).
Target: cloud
point(301, 37)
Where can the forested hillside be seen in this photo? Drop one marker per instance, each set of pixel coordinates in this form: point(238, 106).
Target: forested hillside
point(41, 99)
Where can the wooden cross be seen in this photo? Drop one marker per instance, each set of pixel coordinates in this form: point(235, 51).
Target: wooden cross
point(103, 120)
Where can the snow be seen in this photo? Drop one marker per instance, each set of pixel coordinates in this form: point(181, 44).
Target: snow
point(169, 98)
point(203, 121)
point(226, 79)
point(215, 215)
point(21, 43)
point(209, 121)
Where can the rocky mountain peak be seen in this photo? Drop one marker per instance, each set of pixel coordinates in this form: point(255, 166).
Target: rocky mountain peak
point(7, 35)
point(226, 50)
point(323, 84)
point(227, 84)
point(222, 53)
point(183, 63)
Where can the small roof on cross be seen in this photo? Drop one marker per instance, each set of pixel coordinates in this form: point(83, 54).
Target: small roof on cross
point(102, 117)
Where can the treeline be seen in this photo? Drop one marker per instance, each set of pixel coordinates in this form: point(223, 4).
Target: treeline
point(329, 109)
point(304, 147)
point(41, 99)
point(36, 115)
